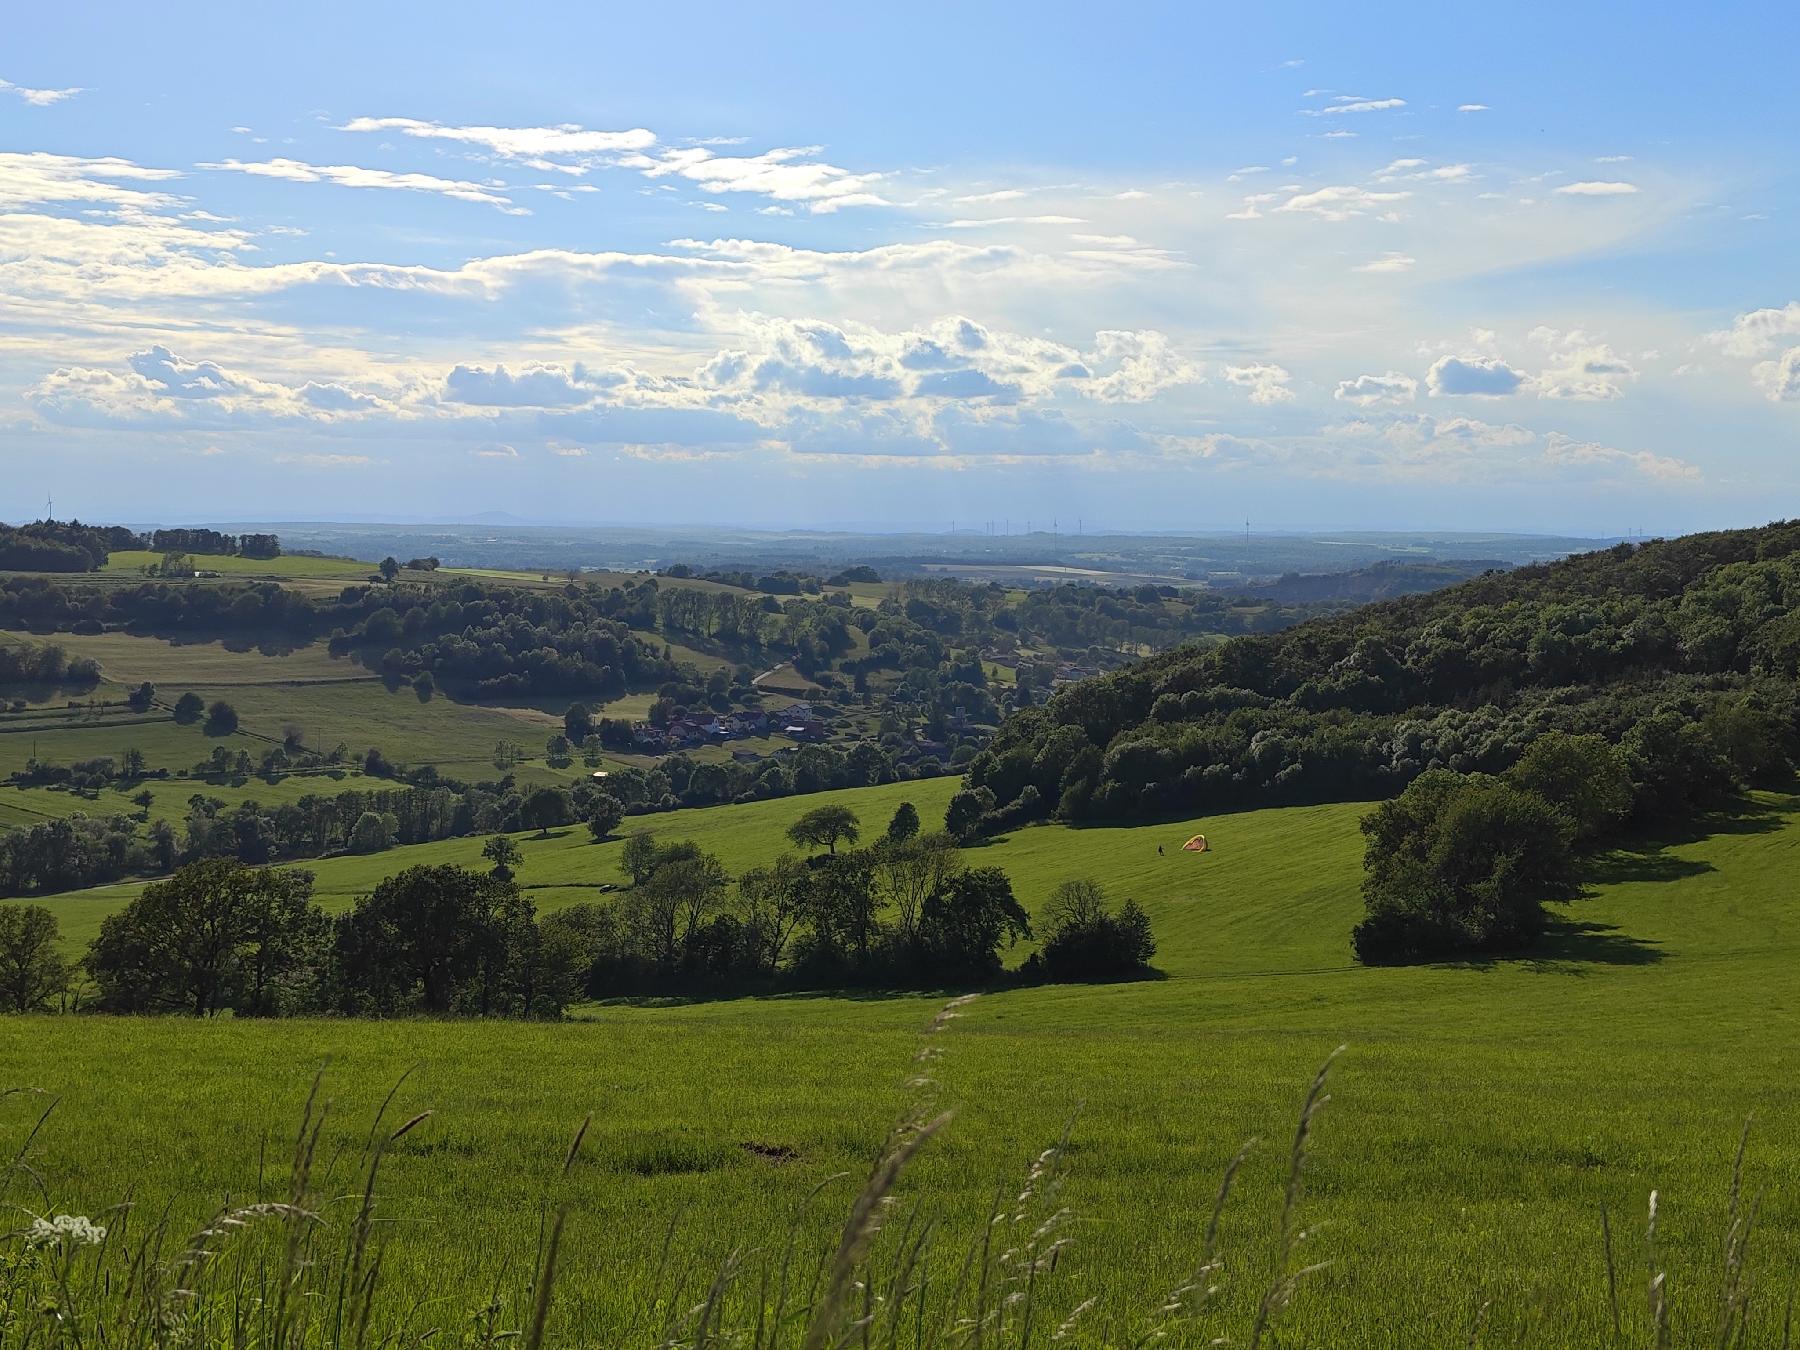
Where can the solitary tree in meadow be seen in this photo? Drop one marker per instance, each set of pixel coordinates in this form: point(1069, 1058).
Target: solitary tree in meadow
point(546, 807)
point(505, 855)
point(824, 827)
point(905, 823)
point(605, 815)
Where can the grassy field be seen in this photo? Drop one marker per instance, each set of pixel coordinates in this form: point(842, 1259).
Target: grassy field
point(332, 700)
point(1478, 1121)
point(288, 567)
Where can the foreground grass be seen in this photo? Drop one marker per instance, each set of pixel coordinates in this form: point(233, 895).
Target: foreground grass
point(1479, 1121)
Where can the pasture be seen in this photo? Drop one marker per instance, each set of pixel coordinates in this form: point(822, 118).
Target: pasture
point(287, 567)
point(1480, 1118)
point(331, 701)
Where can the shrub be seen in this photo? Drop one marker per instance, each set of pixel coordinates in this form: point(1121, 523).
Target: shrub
point(1460, 865)
point(1086, 940)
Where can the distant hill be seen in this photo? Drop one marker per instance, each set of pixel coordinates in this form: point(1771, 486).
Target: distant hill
point(1693, 640)
point(1380, 581)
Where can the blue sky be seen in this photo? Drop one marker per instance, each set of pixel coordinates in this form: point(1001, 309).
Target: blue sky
point(1147, 266)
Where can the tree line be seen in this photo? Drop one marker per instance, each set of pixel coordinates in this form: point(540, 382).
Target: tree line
point(70, 546)
point(906, 912)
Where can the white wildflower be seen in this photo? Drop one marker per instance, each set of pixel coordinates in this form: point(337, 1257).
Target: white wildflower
point(65, 1228)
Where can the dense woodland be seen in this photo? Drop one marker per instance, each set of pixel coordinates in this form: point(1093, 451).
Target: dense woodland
point(1669, 641)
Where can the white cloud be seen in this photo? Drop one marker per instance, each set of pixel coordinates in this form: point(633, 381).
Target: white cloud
point(976, 224)
point(160, 387)
point(1355, 105)
point(1596, 189)
point(1471, 107)
point(952, 358)
point(34, 178)
point(1388, 262)
point(534, 386)
point(1267, 383)
point(1340, 203)
point(1582, 367)
point(1754, 333)
point(1003, 195)
point(521, 143)
point(37, 98)
point(784, 175)
point(1368, 390)
point(1566, 451)
point(1473, 376)
point(354, 176)
point(1780, 378)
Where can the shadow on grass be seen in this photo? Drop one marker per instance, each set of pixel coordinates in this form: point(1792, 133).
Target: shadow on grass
point(1568, 947)
point(1645, 863)
point(868, 993)
point(1570, 944)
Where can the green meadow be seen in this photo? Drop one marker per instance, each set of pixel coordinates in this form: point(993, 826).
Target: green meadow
point(331, 700)
point(1481, 1117)
point(288, 567)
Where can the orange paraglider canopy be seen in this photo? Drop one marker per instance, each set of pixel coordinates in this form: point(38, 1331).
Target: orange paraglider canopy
point(1197, 844)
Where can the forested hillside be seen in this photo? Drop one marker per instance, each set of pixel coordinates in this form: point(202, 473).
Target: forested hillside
point(1683, 652)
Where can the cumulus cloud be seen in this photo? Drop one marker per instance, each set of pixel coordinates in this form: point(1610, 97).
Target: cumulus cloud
point(953, 358)
point(1592, 188)
point(158, 386)
point(180, 378)
point(1368, 390)
point(1754, 333)
point(1471, 107)
point(37, 98)
point(535, 385)
point(1780, 378)
point(1582, 367)
point(354, 176)
point(1473, 376)
point(1267, 383)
